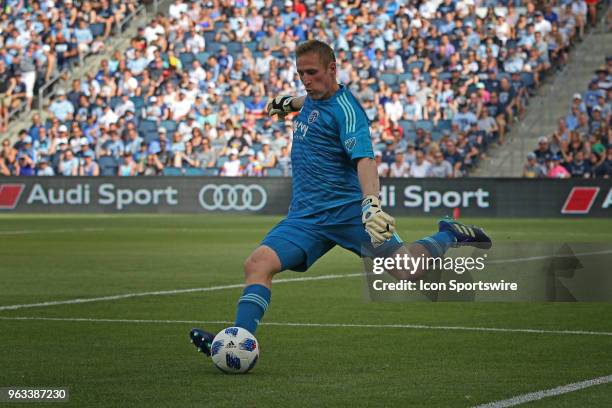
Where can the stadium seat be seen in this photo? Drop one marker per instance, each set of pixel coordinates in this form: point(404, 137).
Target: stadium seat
point(211, 172)
point(173, 171)
point(209, 37)
point(213, 47)
point(404, 77)
point(114, 101)
point(169, 125)
point(149, 136)
point(416, 64)
point(410, 136)
point(389, 79)
point(186, 60)
point(221, 161)
point(407, 125)
point(244, 160)
point(257, 147)
point(108, 166)
point(443, 76)
point(444, 125)
point(194, 171)
point(527, 78)
point(274, 172)
point(97, 29)
point(202, 57)
point(234, 48)
point(251, 45)
point(426, 125)
point(147, 125)
point(139, 104)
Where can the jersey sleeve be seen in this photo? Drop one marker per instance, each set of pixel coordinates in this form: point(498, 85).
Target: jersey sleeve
point(354, 128)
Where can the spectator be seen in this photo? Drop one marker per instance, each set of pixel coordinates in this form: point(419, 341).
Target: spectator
point(533, 169)
point(555, 169)
point(68, 165)
point(399, 168)
point(440, 167)
point(231, 168)
point(420, 167)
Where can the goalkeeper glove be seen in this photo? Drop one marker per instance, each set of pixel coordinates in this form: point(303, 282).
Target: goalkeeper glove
point(379, 225)
point(281, 106)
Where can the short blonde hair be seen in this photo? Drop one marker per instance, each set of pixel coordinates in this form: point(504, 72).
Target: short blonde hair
point(325, 52)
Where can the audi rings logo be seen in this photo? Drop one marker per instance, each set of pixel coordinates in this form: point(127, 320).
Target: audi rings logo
point(233, 197)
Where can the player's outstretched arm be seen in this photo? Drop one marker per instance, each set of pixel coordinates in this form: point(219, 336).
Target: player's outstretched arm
point(378, 224)
point(284, 104)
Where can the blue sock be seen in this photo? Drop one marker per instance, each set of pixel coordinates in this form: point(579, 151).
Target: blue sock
point(251, 306)
point(438, 243)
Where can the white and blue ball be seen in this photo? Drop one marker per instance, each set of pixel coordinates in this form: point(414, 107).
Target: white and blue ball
point(234, 350)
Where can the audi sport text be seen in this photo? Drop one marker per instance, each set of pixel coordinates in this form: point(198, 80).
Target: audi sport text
point(415, 196)
point(108, 194)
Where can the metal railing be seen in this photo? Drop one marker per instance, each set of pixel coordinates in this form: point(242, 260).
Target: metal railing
point(47, 91)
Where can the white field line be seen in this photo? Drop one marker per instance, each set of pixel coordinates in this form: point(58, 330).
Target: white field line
point(167, 292)
point(51, 231)
point(234, 286)
point(322, 325)
point(551, 392)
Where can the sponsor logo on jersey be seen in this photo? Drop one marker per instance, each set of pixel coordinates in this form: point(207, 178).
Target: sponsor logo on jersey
point(314, 115)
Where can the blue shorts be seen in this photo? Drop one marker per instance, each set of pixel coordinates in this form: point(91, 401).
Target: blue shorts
point(300, 241)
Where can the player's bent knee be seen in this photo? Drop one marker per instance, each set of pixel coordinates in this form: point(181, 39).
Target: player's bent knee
point(261, 265)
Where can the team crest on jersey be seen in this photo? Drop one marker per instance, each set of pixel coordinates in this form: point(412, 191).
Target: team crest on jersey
point(314, 115)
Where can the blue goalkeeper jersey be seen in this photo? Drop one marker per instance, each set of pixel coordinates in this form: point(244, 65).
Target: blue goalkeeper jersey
point(328, 136)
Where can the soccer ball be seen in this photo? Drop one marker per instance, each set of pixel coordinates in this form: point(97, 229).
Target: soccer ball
point(234, 350)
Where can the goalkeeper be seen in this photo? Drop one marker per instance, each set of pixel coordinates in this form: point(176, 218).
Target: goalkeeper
point(335, 192)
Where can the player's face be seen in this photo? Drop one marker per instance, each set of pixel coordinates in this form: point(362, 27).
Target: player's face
point(318, 78)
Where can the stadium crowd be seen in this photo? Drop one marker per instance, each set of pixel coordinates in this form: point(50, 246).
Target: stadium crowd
point(440, 80)
point(580, 147)
point(39, 39)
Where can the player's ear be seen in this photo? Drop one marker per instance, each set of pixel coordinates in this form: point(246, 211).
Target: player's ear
point(332, 67)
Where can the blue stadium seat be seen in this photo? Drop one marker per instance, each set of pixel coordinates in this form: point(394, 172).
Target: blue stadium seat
point(173, 171)
point(443, 76)
point(97, 29)
point(501, 75)
point(416, 64)
point(426, 125)
point(404, 77)
point(436, 135)
point(410, 136)
point(202, 57)
point(389, 79)
point(234, 48)
point(244, 160)
point(186, 59)
point(221, 161)
point(251, 45)
point(108, 166)
point(444, 125)
point(147, 126)
point(149, 136)
point(139, 103)
point(257, 147)
point(114, 101)
point(194, 171)
point(407, 125)
point(209, 37)
point(211, 172)
point(274, 172)
point(213, 47)
point(527, 78)
point(169, 125)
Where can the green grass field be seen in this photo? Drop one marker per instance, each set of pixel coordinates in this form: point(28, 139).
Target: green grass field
point(135, 351)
